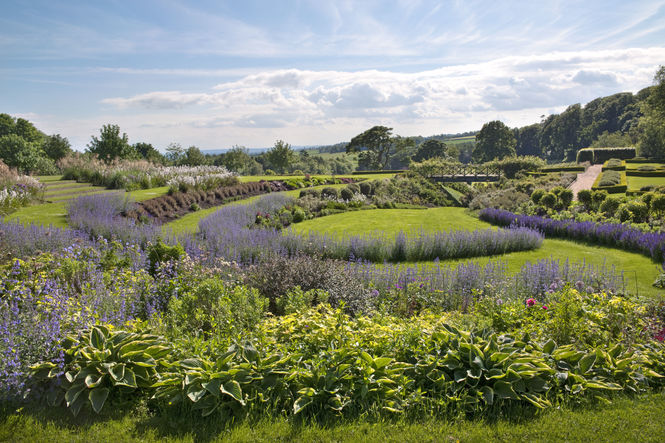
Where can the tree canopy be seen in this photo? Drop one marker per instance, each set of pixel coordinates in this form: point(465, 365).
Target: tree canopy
point(376, 146)
point(280, 156)
point(430, 149)
point(494, 141)
point(110, 144)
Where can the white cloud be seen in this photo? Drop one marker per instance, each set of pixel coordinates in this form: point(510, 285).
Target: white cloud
point(451, 98)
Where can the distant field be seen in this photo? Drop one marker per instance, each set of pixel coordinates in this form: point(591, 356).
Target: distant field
point(458, 140)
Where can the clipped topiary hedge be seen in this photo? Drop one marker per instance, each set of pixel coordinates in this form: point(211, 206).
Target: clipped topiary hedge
point(601, 155)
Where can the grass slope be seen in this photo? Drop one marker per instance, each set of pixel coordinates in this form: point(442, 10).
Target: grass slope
point(626, 419)
point(636, 267)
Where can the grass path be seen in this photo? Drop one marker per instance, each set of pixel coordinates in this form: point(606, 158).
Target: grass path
point(638, 269)
point(637, 419)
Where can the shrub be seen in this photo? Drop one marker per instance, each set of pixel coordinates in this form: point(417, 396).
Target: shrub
point(353, 187)
point(298, 215)
point(566, 197)
point(346, 194)
point(537, 195)
point(658, 204)
point(276, 277)
point(585, 197)
point(610, 205)
point(214, 308)
point(159, 253)
point(270, 172)
point(510, 166)
point(366, 188)
point(548, 200)
point(297, 301)
point(623, 213)
point(330, 193)
point(597, 197)
point(639, 210)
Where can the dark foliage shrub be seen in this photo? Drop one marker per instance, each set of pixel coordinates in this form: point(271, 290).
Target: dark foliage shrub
point(353, 187)
point(597, 197)
point(639, 210)
point(366, 188)
point(329, 193)
point(298, 215)
point(566, 198)
point(548, 200)
point(584, 196)
point(275, 277)
point(346, 194)
point(537, 195)
point(610, 205)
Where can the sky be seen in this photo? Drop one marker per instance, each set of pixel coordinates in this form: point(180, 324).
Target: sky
point(216, 73)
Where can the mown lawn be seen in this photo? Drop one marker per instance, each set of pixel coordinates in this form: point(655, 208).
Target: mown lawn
point(625, 420)
point(635, 266)
point(635, 183)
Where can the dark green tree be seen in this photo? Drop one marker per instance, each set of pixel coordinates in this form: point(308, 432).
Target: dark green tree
point(174, 153)
point(429, 149)
point(111, 145)
point(528, 140)
point(376, 146)
point(652, 124)
point(56, 147)
point(494, 141)
point(236, 159)
point(280, 156)
point(148, 152)
point(18, 153)
point(194, 157)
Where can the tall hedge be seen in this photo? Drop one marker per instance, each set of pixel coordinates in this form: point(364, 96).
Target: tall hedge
point(601, 155)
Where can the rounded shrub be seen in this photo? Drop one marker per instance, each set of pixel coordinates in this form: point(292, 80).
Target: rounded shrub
point(623, 213)
point(270, 172)
point(537, 195)
point(566, 197)
point(640, 211)
point(584, 196)
point(329, 192)
point(366, 188)
point(353, 187)
point(658, 204)
point(548, 200)
point(597, 197)
point(298, 215)
point(346, 194)
point(610, 206)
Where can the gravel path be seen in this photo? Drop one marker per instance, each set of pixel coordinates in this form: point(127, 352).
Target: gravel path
point(585, 180)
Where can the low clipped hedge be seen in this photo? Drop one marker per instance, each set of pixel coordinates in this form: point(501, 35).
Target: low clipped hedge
point(614, 182)
point(563, 169)
point(386, 171)
point(637, 173)
point(614, 164)
point(642, 160)
point(601, 155)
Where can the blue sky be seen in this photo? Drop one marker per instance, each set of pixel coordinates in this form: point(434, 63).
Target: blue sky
point(220, 73)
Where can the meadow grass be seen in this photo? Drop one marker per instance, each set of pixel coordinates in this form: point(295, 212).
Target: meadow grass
point(636, 267)
point(625, 419)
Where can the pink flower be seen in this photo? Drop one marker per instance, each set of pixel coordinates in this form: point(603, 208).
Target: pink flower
point(545, 307)
point(530, 302)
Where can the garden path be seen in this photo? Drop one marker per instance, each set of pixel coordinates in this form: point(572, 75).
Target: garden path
point(585, 180)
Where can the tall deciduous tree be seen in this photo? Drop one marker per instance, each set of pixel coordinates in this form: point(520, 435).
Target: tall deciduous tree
point(379, 144)
point(494, 141)
point(429, 149)
point(18, 153)
point(110, 144)
point(652, 124)
point(280, 156)
point(56, 147)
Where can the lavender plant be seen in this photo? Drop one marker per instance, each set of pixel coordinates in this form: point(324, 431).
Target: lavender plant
point(99, 215)
point(651, 244)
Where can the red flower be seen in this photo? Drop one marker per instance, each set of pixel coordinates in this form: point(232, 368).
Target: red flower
point(530, 302)
point(545, 307)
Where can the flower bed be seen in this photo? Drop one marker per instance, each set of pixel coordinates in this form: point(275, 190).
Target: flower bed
point(616, 235)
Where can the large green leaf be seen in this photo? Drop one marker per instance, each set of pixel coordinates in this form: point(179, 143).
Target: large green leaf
point(233, 389)
point(301, 403)
point(97, 338)
point(97, 397)
point(488, 394)
point(586, 363)
point(381, 362)
point(504, 389)
point(549, 347)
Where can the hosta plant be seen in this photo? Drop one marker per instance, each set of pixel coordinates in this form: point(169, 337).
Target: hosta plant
point(103, 364)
